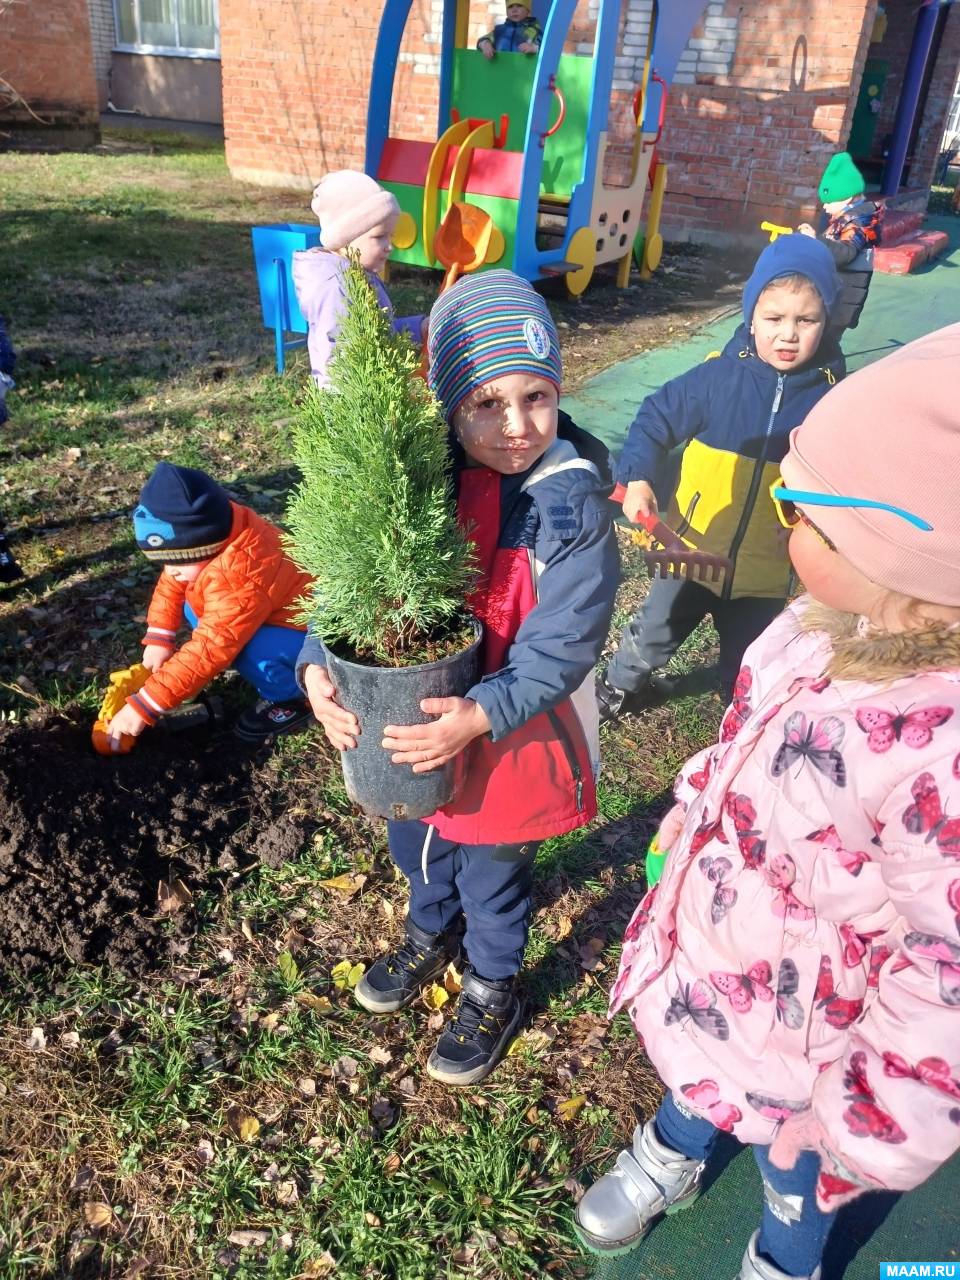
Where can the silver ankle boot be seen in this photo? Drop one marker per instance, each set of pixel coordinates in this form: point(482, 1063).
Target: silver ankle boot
point(754, 1268)
point(648, 1179)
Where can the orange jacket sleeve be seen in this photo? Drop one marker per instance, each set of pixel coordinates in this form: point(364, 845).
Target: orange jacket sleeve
point(165, 612)
point(231, 615)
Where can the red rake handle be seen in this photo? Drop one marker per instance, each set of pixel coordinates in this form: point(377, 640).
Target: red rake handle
point(661, 532)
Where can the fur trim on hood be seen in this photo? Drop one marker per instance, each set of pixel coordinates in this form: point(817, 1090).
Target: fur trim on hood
point(882, 655)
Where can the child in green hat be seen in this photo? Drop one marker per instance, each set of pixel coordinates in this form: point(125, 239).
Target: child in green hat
point(851, 235)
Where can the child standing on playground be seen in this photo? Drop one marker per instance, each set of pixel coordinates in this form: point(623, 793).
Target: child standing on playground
point(521, 33)
point(795, 976)
point(356, 216)
point(225, 574)
point(733, 416)
point(853, 228)
point(532, 489)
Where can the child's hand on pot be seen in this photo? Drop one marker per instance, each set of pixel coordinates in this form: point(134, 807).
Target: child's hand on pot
point(128, 721)
point(340, 726)
point(155, 655)
point(430, 746)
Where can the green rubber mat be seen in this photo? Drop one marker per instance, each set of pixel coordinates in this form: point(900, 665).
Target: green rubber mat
point(707, 1241)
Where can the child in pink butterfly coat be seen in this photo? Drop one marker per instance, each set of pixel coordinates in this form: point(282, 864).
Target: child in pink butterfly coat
point(795, 976)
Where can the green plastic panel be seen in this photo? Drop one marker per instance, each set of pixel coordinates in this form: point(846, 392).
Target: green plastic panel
point(487, 90)
point(410, 199)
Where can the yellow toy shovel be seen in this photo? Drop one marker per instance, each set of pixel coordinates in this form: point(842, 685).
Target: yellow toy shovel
point(122, 684)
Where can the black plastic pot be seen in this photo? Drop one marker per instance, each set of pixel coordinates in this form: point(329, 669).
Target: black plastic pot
point(379, 696)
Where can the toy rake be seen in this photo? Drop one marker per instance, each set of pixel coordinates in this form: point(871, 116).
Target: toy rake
point(672, 558)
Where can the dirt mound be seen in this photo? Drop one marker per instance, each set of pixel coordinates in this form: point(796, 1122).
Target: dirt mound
point(85, 841)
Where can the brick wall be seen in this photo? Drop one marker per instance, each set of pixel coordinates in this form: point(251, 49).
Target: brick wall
point(45, 52)
point(763, 96)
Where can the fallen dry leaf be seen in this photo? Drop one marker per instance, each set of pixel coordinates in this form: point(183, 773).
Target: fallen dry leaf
point(382, 1057)
point(345, 1068)
point(244, 1125)
point(316, 1004)
point(82, 1178)
point(347, 884)
point(392, 1164)
point(387, 907)
point(204, 1151)
point(435, 996)
point(246, 1239)
point(452, 979)
point(318, 1268)
point(270, 1021)
point(371, 1219)
point(346, 975)
point(435, 1022)
point(172, 897)
point(287, 1192)
point(97, 1214)
point(38, 1039)
point(564, 928)
point(287, 966)
point(70, 1040)
point(408, 1087)
point(307, 1086)
point(571, 1108)
point(247, 930)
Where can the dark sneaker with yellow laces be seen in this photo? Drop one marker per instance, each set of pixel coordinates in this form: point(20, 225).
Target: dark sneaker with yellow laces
point(396, 979)
point(480, 1032)
point(267, 719)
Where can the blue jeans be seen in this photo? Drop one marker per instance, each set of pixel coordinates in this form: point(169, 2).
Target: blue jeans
point(268, 660)
point(489, 884)
point(793, 1231)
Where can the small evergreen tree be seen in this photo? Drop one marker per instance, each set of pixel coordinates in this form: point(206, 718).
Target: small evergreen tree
point(373, 520)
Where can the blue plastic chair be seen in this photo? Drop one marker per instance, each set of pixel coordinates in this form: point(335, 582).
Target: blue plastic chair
point(273, 249)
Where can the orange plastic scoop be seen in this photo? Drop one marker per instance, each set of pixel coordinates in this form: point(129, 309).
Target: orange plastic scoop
point(462, 240)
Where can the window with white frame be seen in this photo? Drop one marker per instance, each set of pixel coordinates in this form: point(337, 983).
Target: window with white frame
point(188, 27)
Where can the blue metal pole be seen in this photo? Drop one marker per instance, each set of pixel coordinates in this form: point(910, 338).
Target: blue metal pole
point(923, 34)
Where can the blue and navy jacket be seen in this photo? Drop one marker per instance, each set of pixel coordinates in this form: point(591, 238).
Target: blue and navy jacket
point(549, 574)
point(508, 36)
point(734, 415)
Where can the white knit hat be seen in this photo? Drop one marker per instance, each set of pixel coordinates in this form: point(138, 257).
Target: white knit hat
point(348, 205)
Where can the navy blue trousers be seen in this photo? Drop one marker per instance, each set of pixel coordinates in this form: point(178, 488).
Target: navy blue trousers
point(793, 1231)
point(488, 884)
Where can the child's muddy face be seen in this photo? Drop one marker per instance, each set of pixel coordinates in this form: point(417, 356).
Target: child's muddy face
point(788, 323)
point(375, 245)
point(185, 572)
point(508, 425)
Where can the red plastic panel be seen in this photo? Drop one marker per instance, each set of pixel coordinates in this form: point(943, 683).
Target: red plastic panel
point(900, 259)
point(405, 161)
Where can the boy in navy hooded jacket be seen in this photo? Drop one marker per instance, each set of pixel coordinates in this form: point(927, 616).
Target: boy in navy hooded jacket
point(733, 416)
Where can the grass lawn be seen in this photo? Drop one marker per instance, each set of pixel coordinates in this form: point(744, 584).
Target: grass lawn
point(225, 1109)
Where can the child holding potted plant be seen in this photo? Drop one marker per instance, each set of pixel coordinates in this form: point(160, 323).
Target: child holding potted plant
point(532, 491)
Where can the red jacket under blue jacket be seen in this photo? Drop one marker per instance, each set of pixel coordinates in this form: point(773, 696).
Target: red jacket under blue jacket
point(550, 571)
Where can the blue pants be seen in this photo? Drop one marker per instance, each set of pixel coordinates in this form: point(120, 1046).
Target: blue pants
point(793, 1231)
point(489, 884)
point(268, 660)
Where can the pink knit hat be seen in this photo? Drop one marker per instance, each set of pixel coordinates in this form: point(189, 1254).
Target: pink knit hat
point(891, 432)
point(348, 205)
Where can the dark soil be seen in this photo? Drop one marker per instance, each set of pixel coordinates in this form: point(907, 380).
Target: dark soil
point(85, 840)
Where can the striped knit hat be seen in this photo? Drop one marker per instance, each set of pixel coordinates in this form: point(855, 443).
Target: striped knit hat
point(489, 326)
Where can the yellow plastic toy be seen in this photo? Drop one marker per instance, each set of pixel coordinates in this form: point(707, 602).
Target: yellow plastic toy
point(122, 685)
point(775, 231)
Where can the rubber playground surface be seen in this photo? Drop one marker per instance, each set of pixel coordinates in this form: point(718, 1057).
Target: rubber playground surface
point(709, 1239)
point(898, 309)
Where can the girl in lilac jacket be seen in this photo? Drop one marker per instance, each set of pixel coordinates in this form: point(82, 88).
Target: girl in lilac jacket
point(795, 976)
point(356, 215)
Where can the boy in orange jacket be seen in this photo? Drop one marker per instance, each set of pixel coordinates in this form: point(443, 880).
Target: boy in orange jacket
point(226, 575)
